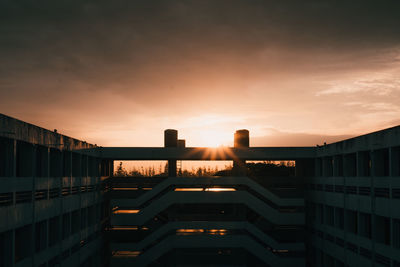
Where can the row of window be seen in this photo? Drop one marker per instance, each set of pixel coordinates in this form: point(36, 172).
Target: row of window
point(49, 232)
point(378, 228)
point(56, 260)
point(7, 199)
point(40, 161)
point(358, 190)
point(381, 162)
point(318, 258)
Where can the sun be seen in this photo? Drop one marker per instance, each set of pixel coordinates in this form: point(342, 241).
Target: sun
point(209, 138)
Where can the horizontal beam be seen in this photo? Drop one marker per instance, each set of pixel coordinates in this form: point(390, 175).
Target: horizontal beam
point(201, 153)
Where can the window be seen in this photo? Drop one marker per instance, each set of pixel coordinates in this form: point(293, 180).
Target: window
point(338, 166)
point(6, 157)
point(350, 168)
point(76, 165)
point(84, 219)
point(24, 159)
point(54, 231)
point(396, 233)
point(75, 221)
point(320, 213)
point(66, 225)
point(329, 215)
point(42, 160)
point(365, 225)
point(56, 163)
point(327, 166)
point(351, 221)
point(318, 167)
point(23, 237)
point(364, 163)
point(395, 161)
point(381, 162)
point(5, 249)
point(339, 218)
point(40, 235)
point(67, 164)
point(382, 230)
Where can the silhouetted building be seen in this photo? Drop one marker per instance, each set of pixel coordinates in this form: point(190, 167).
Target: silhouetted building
point(61, 206)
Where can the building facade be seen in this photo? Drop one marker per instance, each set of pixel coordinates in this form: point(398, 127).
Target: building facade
point(52, 207)
point(353, 202)
point(61, 206)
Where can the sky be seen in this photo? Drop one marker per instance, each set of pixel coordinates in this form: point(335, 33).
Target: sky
point(118, 73)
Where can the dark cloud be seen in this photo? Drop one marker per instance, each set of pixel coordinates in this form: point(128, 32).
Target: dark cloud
point(176, 56)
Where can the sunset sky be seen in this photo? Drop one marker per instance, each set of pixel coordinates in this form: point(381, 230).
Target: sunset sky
point(117, 73)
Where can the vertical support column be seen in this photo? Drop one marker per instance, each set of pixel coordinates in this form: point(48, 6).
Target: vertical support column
point(33, 232)
point(181, 143)
point(14, 160)
point(171, 140)
point(241, 140)
point(48, 162)
point(111, 167)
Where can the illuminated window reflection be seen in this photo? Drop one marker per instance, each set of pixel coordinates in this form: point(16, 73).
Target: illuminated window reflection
point(125, 211)
point(201, 231)
point(123, 228)
point(216, 189)
point(125, 254)
point(189, 189)
point(125, 188)
point(208, 189)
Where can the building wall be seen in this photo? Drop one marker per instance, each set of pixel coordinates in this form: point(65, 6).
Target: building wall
point(353, 202)
point(56, 201)
point(51, 198)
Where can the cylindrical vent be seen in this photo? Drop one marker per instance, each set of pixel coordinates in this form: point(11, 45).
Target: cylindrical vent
point(241, 138)
point(170, 138)
point(181, 143)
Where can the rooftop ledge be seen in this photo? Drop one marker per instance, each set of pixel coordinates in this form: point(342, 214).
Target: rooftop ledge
point(201, 153)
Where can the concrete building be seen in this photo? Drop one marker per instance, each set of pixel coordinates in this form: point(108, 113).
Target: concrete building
point(61, 206)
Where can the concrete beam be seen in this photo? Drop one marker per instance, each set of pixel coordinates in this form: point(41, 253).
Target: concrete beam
point(201, 153)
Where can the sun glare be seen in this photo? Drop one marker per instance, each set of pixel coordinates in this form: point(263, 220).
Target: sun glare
point(214, 139)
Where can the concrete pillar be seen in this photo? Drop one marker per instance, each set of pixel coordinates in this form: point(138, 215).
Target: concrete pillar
point(241, 140)
point(171, 140)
